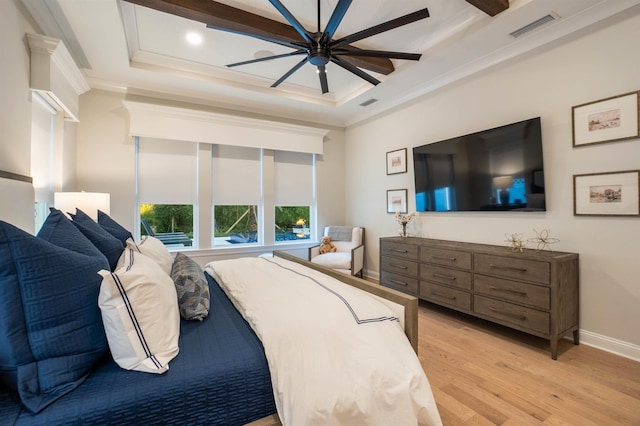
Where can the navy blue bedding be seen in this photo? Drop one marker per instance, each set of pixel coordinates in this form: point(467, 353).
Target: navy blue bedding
point(220, 377)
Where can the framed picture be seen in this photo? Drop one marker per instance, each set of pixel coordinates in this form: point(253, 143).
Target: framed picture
point(607, 194)
point(397, 161)
point(606, 120)
point(397, 200)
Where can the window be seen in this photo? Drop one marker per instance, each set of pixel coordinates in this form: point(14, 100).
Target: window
point(294, 195)
point(167, 190)
point(292, 223)
point(235, 186)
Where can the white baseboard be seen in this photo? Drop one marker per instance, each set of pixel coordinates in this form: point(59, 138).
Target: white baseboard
point(609, 344)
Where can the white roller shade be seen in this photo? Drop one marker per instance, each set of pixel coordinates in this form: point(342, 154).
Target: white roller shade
point(293, 178)
point(167, 171)
point(235, 175)
point(42, 133)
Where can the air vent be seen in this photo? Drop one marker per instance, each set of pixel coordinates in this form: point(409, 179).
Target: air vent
point(369, 102)
point(533, 25)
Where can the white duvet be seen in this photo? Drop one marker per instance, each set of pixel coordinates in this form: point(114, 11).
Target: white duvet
point(336, 356)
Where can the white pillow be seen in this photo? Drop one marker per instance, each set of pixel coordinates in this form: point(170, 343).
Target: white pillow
point(140, 314)
point(153, 248)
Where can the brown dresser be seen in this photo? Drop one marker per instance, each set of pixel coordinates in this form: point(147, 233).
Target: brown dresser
point(534, 292)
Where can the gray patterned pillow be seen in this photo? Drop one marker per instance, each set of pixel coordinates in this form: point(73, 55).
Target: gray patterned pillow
point(192, 288)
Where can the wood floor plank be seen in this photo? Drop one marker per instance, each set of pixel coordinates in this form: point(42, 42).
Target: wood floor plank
point(482, 373)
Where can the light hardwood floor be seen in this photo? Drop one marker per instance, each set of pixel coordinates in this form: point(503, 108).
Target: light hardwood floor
point(485, 374)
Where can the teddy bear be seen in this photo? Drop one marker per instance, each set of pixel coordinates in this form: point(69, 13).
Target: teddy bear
point(326, 246)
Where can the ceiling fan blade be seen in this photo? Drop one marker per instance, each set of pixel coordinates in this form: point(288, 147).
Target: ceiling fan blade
point(334, 21)
point(380, 28)
point(355, 70)
point(293, 21)
point(267, 58)
point(291, 71)
point(219, 16)
point(294, 45)
point(324, 83)
point(377, 54)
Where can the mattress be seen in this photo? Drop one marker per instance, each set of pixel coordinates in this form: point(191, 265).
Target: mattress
point(220, 377)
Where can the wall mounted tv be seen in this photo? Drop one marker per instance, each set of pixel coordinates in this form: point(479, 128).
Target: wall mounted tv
point(498, 169)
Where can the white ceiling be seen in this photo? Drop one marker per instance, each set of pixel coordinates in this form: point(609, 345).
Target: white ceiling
point(125, 47)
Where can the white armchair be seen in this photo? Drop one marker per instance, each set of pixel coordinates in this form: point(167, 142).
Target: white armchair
point(349, 255)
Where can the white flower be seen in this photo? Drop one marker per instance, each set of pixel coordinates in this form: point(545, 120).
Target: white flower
point(404, 219)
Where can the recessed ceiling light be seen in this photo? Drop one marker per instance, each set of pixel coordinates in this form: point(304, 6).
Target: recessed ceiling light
point(194, 38)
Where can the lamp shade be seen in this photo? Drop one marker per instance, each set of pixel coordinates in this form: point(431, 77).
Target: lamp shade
point(503, 182)
point(88, 202)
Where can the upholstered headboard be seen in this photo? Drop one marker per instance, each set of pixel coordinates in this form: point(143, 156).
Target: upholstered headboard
point(16, 200)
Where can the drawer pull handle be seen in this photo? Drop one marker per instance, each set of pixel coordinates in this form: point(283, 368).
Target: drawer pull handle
point(450, 259)
point(510, 268)
point(446, 277)
point(505, 290)
point(508, 314)
point(399, 251)
point(398, 266)
point(398, 282)
point(445, 296)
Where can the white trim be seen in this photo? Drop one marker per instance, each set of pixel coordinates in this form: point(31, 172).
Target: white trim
point(159, 121)
point(609, 344)
point(55, 75)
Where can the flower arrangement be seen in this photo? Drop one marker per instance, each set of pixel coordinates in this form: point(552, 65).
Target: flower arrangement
point(404, 219)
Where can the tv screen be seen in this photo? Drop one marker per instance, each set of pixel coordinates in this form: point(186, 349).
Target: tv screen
point(498, 169)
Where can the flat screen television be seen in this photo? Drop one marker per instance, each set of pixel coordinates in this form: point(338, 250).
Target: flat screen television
point(498, 169)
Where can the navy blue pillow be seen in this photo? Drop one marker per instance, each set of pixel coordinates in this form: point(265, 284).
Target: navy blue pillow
point(59, 230)
point(109, 245)
point(51, 331)
point(113, 227)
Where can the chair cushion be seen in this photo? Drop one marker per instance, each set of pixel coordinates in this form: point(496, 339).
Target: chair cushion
point(339, 233)
point(51, 332)
point(334, 260)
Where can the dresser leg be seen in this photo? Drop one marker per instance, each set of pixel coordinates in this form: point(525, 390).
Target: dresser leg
point(554, 348)
point(576, 337)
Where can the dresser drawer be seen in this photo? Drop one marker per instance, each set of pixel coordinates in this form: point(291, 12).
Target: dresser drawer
point(399, 266)
point(448, 296)
point(405, 251)
point(446, 257)
point(513, 291)
point(528, 318)
point(451, 277)
point(512, 267)
point(399, 282)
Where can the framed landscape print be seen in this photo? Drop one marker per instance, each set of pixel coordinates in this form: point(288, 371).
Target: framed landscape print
point(607, 194)
point(397, 201)
point(606, 120)
point(397, 161)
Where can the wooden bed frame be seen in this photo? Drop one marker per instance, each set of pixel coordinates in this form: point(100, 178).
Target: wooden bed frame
point(410, 304)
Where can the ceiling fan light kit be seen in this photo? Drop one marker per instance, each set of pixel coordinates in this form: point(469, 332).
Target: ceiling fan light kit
point(318, 47)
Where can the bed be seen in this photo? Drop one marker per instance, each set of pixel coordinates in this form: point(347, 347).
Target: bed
point(225, 371)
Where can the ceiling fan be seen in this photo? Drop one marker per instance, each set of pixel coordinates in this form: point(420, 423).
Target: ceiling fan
point(319, 48)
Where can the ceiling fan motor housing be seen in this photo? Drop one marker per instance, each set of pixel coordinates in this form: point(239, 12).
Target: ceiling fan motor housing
point(319, 56)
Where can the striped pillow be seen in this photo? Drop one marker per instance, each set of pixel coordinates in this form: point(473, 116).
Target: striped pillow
point(139, 308)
